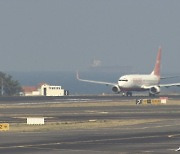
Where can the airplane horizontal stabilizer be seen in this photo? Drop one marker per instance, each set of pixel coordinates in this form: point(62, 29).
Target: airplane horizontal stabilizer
point(169, 77)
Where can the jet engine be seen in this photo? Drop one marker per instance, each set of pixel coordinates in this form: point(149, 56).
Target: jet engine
point(116, 89)
point(154, 90)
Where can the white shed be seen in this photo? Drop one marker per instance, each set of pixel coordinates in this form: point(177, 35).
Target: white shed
point(43, 89)
point(49, 90)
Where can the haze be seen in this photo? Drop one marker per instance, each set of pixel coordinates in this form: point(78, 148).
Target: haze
point(66, 35)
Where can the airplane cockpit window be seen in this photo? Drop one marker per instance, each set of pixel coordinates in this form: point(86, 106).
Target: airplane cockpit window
point(123, 80)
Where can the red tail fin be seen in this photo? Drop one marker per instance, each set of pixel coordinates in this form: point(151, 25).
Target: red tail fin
point(156, 70)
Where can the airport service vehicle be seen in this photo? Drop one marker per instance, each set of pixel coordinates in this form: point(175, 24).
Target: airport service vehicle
point(138, 82)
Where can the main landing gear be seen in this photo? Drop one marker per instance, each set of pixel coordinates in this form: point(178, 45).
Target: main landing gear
point(151, 95)
point(129, 93)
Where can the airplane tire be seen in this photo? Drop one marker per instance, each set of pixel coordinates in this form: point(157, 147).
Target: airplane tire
point(129, 94)
point(151, 95)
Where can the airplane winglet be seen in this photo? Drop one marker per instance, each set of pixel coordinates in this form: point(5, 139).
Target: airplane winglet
point(77, 75)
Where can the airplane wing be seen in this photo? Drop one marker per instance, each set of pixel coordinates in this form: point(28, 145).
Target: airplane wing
point(169, 85)
point(97, 82)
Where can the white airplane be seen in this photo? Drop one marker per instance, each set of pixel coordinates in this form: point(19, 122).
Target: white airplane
point(138, 82)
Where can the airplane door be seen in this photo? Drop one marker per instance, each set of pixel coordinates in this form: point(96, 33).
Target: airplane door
point(45, 91)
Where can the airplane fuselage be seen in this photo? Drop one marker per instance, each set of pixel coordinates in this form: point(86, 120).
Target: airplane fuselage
point(137, 82)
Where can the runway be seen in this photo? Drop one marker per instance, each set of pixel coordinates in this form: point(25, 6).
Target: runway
point(77, 98)
point(138, 128)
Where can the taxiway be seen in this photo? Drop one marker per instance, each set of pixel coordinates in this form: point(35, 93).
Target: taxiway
point(156, 129)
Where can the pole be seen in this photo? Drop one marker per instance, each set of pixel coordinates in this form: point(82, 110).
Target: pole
point(2, 87)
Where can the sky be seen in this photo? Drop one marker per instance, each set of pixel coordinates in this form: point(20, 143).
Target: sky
point(70, 35)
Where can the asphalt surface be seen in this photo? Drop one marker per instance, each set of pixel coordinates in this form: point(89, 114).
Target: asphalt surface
point(155, 137)
point(84, 98)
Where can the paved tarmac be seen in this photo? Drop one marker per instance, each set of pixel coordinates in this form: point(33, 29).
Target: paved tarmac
point(161, 136)
point(71, 98)
point(154, 138)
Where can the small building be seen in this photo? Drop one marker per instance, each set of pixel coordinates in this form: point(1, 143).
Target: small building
point(29, 91)
point(43, 89)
